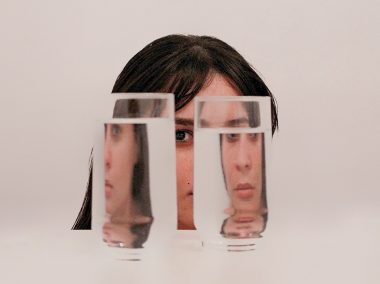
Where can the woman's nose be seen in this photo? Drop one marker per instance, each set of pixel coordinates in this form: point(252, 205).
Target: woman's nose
point(107, 157)
point(243, 159)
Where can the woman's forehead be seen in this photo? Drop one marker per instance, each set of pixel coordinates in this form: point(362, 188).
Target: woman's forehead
point(218, 86)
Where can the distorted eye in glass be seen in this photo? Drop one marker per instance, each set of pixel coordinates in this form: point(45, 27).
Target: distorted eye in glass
point(232, 137)
point(116, 131)
point(254, 136)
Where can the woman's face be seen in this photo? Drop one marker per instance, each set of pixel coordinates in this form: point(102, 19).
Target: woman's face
point(184, 150)
point(120, 157)
point(241, 153)
point(242, 167)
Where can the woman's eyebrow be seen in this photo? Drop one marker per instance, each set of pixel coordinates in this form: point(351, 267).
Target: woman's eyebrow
point(237, 122)
point(242, 121)
point(204, 123)
point(184, 121)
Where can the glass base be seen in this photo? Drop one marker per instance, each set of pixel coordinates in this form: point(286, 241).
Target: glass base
point(126, 254)
point(231, 245)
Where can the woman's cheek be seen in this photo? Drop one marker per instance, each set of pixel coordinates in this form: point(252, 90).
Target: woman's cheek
point(184, 170)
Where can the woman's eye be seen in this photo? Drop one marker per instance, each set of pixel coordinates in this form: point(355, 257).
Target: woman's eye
point(253, 136)
point(115, 130)
point(184, 136)
point(231, 137)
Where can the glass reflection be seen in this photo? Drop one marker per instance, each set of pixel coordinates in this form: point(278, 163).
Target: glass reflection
point(128, 205)
point(128, 235)
point(243, 172)
point(229, 114)
point(140, 108)
point(233, 133)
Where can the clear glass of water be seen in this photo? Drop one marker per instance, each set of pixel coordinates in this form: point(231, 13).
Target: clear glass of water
point(232, 138)
point(134, 174)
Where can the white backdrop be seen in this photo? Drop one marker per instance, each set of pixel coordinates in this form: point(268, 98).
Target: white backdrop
point(320, 59)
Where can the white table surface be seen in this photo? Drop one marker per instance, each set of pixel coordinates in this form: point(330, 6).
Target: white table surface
point(345, 253)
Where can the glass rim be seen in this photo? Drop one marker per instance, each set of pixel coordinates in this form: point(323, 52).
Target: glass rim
point(144, 95)
point(167, 97)
point(198, 99)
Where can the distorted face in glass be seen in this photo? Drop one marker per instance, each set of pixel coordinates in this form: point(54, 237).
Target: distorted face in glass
point(242, 163)
point(126, 185)
point(120, 157)
point(241, 151)
point(243, 170)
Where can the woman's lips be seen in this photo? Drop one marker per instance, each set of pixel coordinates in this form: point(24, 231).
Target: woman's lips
point(108, 189)
point(244, 219)
point(244, 190)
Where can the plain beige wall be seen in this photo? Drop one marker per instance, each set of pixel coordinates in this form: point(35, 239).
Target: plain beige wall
point(320, 59)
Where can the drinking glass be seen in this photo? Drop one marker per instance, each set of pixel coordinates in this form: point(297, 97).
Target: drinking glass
point(134, 174)
point(232, 138)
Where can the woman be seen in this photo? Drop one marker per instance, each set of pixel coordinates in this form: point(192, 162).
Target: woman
point(187, 66)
